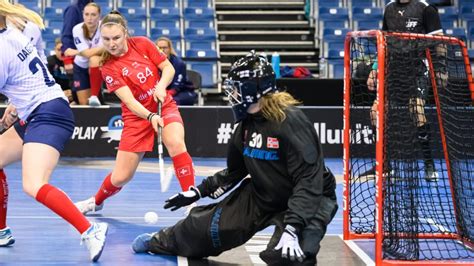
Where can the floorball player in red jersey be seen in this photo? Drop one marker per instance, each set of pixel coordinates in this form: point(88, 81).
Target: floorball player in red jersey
point(138, 73)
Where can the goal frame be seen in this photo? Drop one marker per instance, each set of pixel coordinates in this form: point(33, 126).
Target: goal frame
point(378, 235)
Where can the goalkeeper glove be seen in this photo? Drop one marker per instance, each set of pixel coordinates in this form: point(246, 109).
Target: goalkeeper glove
point(183, 199)
point(289, 244)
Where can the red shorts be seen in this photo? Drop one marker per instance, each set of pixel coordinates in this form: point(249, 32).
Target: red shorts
point(139, 136)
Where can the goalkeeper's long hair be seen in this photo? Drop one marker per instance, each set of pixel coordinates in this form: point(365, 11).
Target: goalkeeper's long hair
point(273, 105)
point(19, 12)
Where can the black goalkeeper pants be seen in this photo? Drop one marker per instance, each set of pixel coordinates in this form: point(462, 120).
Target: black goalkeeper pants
point(212, 229)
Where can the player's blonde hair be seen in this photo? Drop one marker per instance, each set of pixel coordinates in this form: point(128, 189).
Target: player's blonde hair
point(168, 42)
point(273, 105)
point(18, 11)
point(113, 18)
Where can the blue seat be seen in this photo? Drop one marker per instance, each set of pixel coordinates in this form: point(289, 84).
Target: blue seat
point(198, 3)
point(467, 13)
point(333, 18)
point(105, 4)
point(364, 3)
point(165, 3)
point(166, 23)
point(208, 71)
point(34, 5)
point(368, 24)
point(51, 32)
point(137, 24)
point(164, 13)
point(459, 33)
point(200, 45)
point(335, 34)
point(449, 23)
point(53, 12)
point(334, 45)
point(199, 23)
point(367, 13)
point(335, 53)
point(339, 13)
point(336, 68)
point(470, 36)
point(465, 3)
point(132, 3)
point(133, 12)
point(200, 53)
point(471, 54)
point(171, 33)
point(198, 13)
point(59, 3)
point(137, 31)
point(325, 3)
point(200, 34)
point(54, 23)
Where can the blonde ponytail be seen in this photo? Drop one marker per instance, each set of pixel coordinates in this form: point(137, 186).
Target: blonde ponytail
point(18, 11)
point(273, 105)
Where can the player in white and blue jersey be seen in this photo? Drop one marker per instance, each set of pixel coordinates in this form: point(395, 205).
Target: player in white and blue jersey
point(87, 76)
point(45, 124)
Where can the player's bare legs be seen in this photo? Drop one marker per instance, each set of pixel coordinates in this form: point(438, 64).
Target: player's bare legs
point(173, 138)
point(126, 164)
point(11, 147)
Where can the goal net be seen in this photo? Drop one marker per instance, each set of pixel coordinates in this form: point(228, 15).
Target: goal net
point(409, 147)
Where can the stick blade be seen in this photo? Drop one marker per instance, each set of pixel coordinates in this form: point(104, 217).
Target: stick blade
point(165, 178)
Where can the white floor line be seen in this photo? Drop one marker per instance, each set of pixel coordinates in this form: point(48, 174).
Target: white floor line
point(182, 261)
point(357, 250)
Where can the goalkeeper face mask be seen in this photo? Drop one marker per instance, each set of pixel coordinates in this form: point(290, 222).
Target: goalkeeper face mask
point(248, 80)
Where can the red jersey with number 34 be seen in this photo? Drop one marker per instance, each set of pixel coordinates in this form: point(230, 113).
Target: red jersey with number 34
point(137, 69)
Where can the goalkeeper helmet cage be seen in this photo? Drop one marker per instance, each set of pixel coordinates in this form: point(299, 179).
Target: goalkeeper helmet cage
point(248, 80)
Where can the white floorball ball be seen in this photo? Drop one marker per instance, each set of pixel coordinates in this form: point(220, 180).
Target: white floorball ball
point(151, 218)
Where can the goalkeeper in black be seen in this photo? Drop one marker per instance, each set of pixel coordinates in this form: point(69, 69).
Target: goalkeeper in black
point(289, 185)
point(412, 16)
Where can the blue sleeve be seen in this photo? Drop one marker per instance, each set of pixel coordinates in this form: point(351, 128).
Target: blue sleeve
point(179, 80)
point(71, 17)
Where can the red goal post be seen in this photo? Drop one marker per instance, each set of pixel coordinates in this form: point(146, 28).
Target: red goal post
point(375, 206)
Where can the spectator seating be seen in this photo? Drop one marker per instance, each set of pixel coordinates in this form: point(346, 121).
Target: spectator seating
point(198, 3)
point(198, 13)
point(208, 71)
point(165, 3)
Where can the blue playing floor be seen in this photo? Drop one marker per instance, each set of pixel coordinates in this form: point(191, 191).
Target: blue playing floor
point(42, 238)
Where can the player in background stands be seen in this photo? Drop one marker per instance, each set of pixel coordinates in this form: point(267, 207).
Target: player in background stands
point(289, 185)
point(412, 16)
point(181, 90)
point(138, 73)
point(56, 68)
point(44, 114)
point(87, 77)
point(71, 17)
